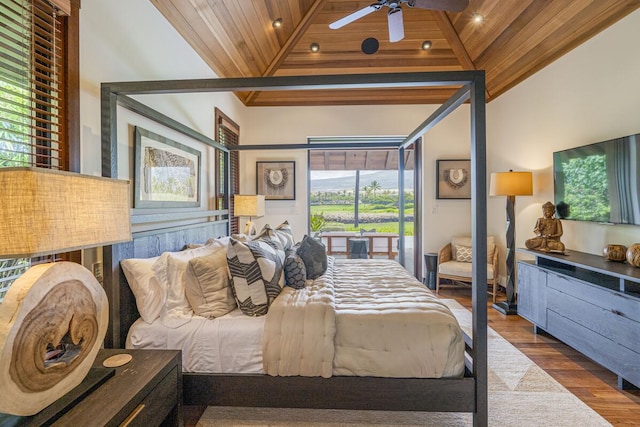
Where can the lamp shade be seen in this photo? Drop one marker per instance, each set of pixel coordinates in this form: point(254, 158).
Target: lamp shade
point(248, 205)
point(511, 184)
point(46, 211)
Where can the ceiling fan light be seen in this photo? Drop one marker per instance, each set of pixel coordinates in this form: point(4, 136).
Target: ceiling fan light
point(396, 25)
point(277, 23)
point(314, 47)
point(426, 45)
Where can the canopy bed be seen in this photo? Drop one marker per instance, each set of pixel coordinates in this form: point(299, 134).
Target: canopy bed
point(171, 230)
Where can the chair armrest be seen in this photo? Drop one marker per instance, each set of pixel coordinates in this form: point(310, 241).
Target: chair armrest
point(445, 254)
point(495, 262)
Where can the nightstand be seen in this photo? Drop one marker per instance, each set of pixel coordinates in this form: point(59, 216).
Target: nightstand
point(147, 391)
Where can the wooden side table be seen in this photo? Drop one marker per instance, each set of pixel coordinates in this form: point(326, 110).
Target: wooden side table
point(147, 391)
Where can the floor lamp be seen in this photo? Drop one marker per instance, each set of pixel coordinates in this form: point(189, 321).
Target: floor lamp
point(251, 206)
point(510, 184)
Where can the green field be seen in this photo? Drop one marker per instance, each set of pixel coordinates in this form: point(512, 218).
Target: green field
point(380, 227)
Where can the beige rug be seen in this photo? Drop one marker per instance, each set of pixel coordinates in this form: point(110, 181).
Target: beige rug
point(520, 394)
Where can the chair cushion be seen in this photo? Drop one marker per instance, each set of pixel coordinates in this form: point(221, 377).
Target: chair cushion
point(462, 269)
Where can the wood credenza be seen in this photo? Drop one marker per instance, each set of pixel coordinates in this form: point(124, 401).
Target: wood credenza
point(589, 303)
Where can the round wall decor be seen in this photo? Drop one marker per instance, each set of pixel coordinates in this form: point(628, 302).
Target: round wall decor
point(276, 178)
point(456, 177)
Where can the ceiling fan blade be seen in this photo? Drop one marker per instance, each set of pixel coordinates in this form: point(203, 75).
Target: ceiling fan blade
point(447, 5)
point(354, 16)
point(396, 25)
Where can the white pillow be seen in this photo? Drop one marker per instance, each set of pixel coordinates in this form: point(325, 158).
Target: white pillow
point(145, 287)
point(169, 270)
point(466, 241)
point(207, 285)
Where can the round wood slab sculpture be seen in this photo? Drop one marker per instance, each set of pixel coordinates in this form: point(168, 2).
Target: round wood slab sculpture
point(53, 320)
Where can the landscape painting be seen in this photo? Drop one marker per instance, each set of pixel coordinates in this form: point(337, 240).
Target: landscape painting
point(167, 173)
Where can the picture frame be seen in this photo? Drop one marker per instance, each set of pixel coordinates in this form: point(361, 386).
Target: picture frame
point(453, 179)
point(276, 180)
point(167, 174)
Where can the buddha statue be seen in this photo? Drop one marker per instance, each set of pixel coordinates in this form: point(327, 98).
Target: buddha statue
point(548, 230)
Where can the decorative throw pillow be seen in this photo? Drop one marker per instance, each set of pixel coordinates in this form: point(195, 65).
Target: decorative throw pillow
point(464, 254)
point(285, 233)
point(169, 270)
point(295, 273)
point(145, 287)
point(207, 285)
point(268, 234)
point(314, 256)
point(466, 241)
point(256, 274)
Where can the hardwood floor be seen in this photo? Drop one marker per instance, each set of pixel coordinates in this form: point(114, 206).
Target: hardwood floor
point(589, 381)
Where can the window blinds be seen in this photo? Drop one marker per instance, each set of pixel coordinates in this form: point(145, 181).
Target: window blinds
point(31, 95)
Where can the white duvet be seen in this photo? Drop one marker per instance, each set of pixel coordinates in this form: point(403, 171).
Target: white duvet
point(365, 318)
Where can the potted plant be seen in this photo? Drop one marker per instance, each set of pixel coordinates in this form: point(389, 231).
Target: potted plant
point(316, 222)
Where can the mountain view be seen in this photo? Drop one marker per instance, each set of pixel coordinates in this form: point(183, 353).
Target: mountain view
point(388, 180)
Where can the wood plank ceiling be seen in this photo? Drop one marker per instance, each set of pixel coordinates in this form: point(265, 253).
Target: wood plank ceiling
point(516, 39)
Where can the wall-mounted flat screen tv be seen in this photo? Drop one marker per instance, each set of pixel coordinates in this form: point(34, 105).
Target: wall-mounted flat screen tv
point(599, 182)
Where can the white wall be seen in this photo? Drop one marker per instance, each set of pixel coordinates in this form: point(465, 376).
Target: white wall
point(123, 40)
point(588, 95)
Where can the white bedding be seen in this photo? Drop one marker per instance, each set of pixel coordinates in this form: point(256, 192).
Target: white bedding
point(365, 317)
point(389, 324)
point(229, 344)
point(372, 319)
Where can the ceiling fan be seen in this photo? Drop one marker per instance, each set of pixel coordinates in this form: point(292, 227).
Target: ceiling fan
point(396, 25)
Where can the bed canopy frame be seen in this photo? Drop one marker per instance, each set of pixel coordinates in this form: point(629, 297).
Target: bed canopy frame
point(171, 230)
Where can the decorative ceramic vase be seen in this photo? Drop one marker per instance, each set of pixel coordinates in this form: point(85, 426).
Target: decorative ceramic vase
point(615, 252)
point(633, 255)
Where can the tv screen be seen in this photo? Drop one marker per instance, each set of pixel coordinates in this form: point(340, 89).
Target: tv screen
point(599, 182)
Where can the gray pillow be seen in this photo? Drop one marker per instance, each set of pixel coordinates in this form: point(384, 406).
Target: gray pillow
point(314, 256)
point(284, 232)
point(295, 273)
point(207, 285)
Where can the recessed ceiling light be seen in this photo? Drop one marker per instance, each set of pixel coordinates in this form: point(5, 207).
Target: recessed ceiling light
point(477, 18)
point(314, 47)
point(426, 45)
point(277, 23)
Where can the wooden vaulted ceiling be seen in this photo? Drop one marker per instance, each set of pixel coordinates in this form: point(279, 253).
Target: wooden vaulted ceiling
point(517, 38)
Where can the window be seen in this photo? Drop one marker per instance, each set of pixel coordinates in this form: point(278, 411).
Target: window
point(32, 96)
point(228, 134)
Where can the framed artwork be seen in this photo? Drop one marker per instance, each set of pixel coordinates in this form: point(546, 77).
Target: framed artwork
point(167, 173)
point(276, 180)
point(453, 178)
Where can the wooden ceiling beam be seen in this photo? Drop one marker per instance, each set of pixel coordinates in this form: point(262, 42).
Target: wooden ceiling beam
point(299, 31)
point(450, 33)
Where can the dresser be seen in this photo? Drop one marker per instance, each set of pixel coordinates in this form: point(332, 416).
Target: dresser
point(589, 303)
point(147, 391)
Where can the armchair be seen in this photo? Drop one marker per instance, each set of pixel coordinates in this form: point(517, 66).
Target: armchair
point(454, 263)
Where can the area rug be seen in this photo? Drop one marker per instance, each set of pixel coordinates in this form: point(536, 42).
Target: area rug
point(520, 394)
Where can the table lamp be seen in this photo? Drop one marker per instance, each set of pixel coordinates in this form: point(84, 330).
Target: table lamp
point(53, 318)
point(251, 206)
point(510, 184)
